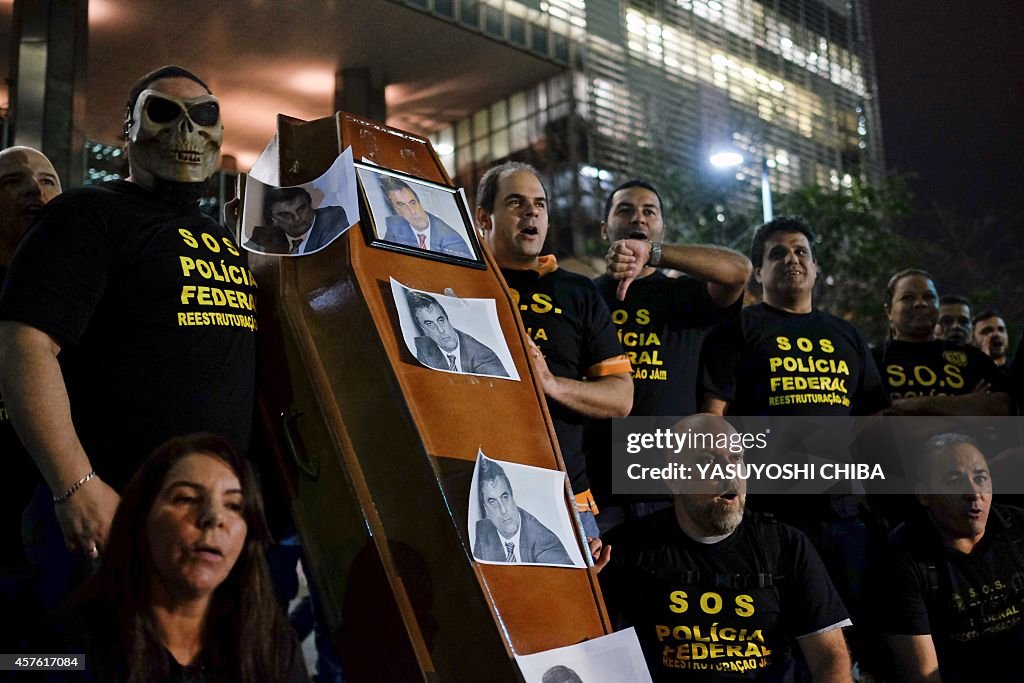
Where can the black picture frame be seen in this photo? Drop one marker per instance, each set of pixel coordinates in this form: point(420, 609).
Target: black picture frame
point(444, 208)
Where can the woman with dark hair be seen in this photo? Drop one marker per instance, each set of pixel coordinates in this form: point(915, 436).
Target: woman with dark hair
point(918, 368)
point(183, 594)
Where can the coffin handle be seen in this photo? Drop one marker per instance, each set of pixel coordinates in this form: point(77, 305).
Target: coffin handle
point(310, 466)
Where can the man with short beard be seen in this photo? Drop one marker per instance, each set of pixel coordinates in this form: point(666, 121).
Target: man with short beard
point(152, 309)
point(990, 336)
point(715, 591)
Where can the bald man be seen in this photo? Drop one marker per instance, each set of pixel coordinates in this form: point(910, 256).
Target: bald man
point(27, 182)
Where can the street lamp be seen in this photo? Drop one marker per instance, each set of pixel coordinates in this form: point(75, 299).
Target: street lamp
point(732, 158)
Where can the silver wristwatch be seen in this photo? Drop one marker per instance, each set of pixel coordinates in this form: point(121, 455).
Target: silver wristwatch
point(655, 257)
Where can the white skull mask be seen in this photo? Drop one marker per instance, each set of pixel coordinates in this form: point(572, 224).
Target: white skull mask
point(176, 139)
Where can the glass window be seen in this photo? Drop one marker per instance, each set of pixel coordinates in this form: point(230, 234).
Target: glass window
point(480, 127)
point(499, 114)
point(541, 94)
point(462, 136)
point(539, 39)
point(517, 107)
point(517, 136)
point(469, 12)
point(561, 48)
point(517, 30)
point(493, 22)
point(499, 144)
point(481, 151)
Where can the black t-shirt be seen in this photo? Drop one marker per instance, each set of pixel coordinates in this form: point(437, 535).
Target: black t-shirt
point(972, 605)
point(935, 368)
point(698, 609)
point(566, 318)
point(661, 324)
point(155, 312)
point(772, 362)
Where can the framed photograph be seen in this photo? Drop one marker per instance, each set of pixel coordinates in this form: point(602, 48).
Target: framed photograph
point(414, 216)
point(302, 219)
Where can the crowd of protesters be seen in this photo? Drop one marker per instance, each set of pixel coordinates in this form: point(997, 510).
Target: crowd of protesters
point(156, 566)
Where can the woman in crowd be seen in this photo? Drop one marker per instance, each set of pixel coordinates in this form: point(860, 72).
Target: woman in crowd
point(915, 365)
point(183, 594)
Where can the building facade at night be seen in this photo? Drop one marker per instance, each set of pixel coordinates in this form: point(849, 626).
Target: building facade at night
point(654, 84)
point(590, 91)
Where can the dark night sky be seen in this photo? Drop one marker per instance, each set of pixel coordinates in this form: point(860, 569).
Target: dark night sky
point(951, 85)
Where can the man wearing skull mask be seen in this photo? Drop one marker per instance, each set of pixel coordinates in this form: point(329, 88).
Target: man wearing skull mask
point(152, 308)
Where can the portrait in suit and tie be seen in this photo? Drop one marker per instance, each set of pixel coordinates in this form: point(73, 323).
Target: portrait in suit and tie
point(412, 225)
point(443, 347)
point(292, 226)
point(507, 533)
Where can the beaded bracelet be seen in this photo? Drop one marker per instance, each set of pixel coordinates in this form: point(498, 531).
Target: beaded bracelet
point(57, 500)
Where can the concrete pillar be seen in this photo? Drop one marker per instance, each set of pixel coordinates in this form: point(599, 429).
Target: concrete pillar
point(48, 70)
point(360, 91)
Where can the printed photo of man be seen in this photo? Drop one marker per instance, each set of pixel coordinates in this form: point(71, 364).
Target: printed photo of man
point(507, 533)
point(292, 226)
point(443, 347)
